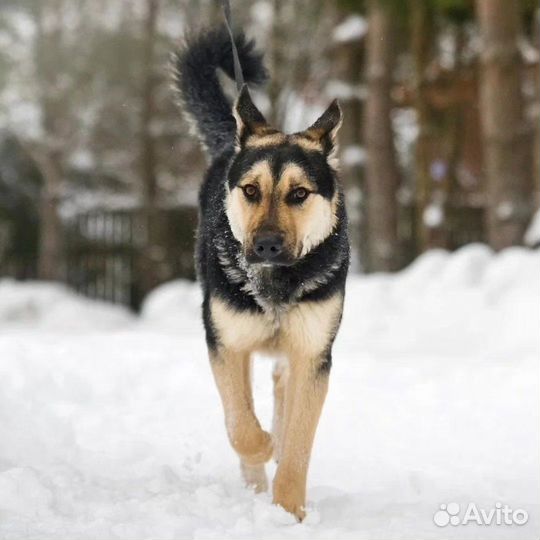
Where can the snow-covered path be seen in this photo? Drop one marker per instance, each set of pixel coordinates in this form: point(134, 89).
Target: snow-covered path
point(110, 426)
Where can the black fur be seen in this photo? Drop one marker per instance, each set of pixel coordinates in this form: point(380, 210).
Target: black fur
point(202, 96)
point(221, 265)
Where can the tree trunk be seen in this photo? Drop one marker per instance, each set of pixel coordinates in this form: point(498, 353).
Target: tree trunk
point(50, 262)
point(429, 202)
point(506, 135)
point(536, 117)
point(48, 154)
point(152, 252)
point(382, 176)
point(277, 63)
point(347, 68)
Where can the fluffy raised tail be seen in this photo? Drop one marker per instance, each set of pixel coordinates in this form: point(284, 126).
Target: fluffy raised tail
point(203, 100)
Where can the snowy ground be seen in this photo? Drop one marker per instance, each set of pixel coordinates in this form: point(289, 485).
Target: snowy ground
point(110, 426)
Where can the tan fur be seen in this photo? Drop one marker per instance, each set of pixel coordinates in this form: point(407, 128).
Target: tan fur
point(245, 217)
point(308, 327)
point(306, 143)
point(232, 373)
point(293, 176)
point(254, 476)
point(304, 227)
point(241, 331)
point(305, 394)
point(280, 375)
point(305, 333)
point(314, 221)
point(300, 337)
point(266, 140)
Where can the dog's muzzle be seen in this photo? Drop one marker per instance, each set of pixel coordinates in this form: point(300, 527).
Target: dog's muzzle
point(268, 245)
point(268, 248)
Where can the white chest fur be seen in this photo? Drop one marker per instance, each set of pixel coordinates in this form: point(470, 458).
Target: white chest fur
point(303, 328)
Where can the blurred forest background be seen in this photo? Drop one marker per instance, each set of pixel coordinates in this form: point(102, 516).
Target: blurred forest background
point(99, 176)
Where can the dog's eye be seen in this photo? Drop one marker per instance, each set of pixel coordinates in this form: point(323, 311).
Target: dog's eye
point(298, 195)
point(251, 192)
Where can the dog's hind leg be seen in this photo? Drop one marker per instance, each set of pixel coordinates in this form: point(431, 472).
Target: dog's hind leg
point(279, 376)
point(232, 372)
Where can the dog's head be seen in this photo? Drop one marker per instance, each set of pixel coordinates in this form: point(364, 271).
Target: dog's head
point(282, 194)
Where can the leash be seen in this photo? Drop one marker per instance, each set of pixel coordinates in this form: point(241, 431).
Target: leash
point(238, 75)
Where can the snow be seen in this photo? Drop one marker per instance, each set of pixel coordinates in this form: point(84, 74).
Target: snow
point(78, 201)
point(83, 159)
point(405, 124)
point(345, 91)
point(353, 155)
point(21, 116)
point(532, 235)
point(111, 426)
point(262, 16)
point(433, 215)
point(504, 210)
point(300, 112)
point(352, 28)
point(529, 52)
point(52, 306)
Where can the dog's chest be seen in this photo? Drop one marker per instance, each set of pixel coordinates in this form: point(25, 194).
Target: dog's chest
point(303, 328)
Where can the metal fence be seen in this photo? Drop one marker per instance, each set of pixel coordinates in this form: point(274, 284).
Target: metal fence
point(100, 255)
point(104, 248)
point(102, 252)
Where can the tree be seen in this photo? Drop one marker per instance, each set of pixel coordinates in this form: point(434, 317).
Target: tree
point(382, 175)
point(506, 134)
point(348, 58)
point(151, 252)
point(429, 203)
point(50, 81)
point(536, 144)
point(48, 154)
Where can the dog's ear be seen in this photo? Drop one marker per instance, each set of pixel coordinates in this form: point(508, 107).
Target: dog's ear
point(325, 129)
point(249, 120)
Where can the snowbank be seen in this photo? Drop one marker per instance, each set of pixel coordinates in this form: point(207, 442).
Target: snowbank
point(433, 399)
point(175, 305)
point(471, 302)
point(51, 306)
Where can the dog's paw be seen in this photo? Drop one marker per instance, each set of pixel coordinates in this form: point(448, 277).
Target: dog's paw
point(254, 477)
point(290, 495)
point(254, 447)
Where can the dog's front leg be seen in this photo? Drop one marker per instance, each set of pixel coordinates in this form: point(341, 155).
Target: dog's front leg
point(252, 444)
point(305, 394)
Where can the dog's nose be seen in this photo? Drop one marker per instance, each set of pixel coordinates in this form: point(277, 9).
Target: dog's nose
point(268, 245)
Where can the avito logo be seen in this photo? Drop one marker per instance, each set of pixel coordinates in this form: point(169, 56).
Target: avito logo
point(450, 514)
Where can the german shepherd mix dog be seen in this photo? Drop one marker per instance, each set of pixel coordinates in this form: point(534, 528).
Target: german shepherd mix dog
point(272, 258)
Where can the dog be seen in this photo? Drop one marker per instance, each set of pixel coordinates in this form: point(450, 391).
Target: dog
point(272, 256)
